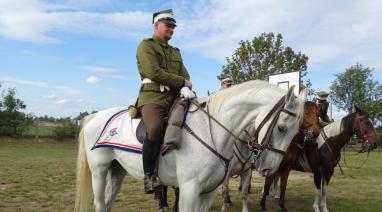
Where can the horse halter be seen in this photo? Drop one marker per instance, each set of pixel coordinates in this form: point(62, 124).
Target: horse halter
point(265, 143)
point(359, 130)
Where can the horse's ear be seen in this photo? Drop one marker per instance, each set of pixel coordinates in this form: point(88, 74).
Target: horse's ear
point(359, 110)
point(290, 94)
point(304, 94)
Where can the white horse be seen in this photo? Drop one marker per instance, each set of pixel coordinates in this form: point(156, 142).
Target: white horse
point(195, 168)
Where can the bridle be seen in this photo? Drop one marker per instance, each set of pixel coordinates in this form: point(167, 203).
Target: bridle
point(253, 144)
point(358, 129)
point(266, 142)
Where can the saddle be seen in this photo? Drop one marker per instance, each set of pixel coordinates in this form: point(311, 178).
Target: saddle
point(178, 114)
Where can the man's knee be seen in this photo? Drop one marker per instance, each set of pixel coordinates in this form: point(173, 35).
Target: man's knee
point(155, 131)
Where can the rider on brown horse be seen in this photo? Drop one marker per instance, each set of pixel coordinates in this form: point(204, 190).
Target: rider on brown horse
point(323, 105)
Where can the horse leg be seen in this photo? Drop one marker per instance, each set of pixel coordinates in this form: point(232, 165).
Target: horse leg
point(245, 182)
point(317, 183)
point(283, 184)
point(265, 193)
point(189, 200)
point(206, 200)
point(115, 177)
point(276, 178)
point(176, 204)
point(323, 197)
point(161, 195)
point(98, 184)
point(250, 180)
point(325, 185)
point(225, 192)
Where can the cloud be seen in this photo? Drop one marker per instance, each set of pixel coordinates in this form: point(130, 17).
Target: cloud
point(37, 21)
point(67, 89)
point(38, 84)
point(98, 69)
point(86, 101)
point(61, 102)
point(115, 76)
point(106, 72)
point(329, 33)
point(93, 80)
point(51, 96)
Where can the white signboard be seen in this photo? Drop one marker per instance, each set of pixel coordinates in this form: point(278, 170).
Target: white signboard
point(286, 80)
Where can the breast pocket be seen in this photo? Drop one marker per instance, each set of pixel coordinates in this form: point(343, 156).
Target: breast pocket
point(175, 64)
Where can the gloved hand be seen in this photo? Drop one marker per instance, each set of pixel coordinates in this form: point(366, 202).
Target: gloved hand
point(186, 93)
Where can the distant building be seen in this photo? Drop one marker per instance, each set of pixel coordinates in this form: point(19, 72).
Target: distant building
point(78, 120)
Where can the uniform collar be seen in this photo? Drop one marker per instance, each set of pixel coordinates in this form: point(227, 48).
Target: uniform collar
point(156, 39)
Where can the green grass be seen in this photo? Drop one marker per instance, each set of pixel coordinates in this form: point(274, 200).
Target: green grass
point(41, 131)
point(40, 176)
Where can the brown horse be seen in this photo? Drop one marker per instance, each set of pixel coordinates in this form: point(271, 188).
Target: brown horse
point(322, 156)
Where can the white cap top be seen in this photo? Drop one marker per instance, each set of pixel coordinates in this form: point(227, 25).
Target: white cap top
point(162, 16)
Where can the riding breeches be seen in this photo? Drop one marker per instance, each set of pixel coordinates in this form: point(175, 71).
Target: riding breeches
point(154, 116)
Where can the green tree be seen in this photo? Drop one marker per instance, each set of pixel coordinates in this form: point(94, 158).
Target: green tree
point(263, 56)
point(356, 86)
point(11, 103)
point(12, 121)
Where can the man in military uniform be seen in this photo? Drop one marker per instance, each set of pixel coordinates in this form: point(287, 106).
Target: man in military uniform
point(225, 83)
point(164, 78)
point(323, 105)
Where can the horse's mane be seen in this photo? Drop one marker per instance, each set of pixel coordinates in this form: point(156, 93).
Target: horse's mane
point(217, 99)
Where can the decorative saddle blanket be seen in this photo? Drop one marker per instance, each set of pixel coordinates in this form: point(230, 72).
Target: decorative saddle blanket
point(119, 133)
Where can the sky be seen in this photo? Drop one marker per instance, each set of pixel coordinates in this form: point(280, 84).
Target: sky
point(69, 56)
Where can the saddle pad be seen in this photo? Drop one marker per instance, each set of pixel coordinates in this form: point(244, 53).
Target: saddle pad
point(119, 133)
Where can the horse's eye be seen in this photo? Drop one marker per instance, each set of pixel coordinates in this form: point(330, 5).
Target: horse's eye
point(282, 129)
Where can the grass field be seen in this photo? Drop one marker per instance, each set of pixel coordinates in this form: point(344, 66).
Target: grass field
point(40, 131)
point(40, 176)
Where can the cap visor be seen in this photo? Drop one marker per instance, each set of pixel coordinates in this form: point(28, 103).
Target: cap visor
point(168, 22)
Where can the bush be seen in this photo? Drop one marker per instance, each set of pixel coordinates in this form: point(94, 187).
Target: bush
point(67, 130)
point(13, 123)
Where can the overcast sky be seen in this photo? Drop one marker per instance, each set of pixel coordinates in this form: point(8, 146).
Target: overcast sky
point(68, 56)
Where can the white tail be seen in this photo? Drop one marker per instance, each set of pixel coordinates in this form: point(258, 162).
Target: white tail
point(83, 182)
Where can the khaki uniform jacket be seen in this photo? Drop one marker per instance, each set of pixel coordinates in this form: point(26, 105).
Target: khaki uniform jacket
point(163, 65)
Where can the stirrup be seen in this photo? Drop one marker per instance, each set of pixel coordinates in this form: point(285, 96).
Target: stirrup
point(148, 184)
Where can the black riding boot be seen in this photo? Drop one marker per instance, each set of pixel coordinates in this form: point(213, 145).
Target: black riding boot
point(150, 154)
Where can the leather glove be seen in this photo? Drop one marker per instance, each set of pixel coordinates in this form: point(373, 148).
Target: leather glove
point(186, 93)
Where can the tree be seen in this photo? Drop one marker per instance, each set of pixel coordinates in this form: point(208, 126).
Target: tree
point(356, 87)
point(12, 121)
point(262, 57)
point(67, 129)
point(11, 103)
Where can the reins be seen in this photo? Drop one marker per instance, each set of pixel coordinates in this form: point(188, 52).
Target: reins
point(278, 108)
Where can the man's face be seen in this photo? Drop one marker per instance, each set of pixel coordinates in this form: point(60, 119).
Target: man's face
point(164, 31)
